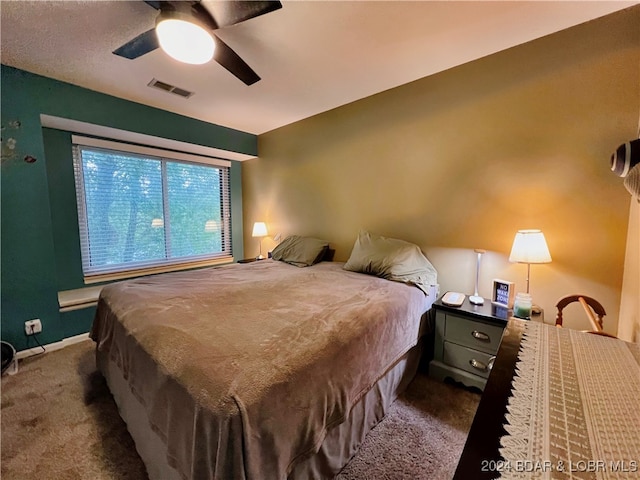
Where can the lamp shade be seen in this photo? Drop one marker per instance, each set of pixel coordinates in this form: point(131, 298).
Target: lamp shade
point(530, 246)
point(183, 39)
point(259, 229)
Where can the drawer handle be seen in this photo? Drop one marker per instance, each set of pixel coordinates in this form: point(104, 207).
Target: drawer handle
point(478, 335)
point(478, 365)
point(491, 362)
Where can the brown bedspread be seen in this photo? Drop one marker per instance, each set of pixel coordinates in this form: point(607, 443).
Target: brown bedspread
point(243, 369)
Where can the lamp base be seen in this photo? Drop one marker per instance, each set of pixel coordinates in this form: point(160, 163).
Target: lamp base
point(476, 300)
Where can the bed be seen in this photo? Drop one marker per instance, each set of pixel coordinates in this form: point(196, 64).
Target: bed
point(258, 370)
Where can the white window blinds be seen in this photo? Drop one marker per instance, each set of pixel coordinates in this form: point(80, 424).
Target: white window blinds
point(140, 208)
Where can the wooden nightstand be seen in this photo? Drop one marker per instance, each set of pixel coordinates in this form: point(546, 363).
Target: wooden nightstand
point(466, 341)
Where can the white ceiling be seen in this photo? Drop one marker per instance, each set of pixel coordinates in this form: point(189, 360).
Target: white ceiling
point(312, 55)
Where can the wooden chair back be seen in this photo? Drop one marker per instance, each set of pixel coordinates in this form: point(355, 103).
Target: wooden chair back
point(594, 310)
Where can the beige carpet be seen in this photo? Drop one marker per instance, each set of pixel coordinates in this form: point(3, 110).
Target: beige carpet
point(60, 422)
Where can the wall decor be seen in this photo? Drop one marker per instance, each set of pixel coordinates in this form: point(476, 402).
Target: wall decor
point(8, 143)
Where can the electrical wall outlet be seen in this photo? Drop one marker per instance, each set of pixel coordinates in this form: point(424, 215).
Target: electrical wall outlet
point(33, 326)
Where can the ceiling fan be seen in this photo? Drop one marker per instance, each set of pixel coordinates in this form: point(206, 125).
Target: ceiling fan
point(184, 30)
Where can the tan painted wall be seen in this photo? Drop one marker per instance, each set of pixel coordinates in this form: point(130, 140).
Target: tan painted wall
point(465, 158)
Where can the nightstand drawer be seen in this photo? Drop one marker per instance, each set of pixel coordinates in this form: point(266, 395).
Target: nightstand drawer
point(478, 335)
point(472, 361)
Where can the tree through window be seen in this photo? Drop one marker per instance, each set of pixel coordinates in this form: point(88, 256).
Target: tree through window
point(140, 207)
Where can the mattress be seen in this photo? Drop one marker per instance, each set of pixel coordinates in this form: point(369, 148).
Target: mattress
point(241, 371)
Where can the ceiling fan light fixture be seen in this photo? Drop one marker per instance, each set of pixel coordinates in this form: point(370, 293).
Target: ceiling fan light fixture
point(184, 40)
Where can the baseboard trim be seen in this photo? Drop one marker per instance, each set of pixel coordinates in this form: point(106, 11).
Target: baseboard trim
point(52, 347)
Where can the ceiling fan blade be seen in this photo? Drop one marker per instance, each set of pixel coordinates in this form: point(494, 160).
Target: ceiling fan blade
point(231, 12)
point(142, 44)
point(153, 3)
point(204, 16)
point(230, 60)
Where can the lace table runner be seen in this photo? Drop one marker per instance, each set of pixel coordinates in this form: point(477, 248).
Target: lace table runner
point(574, 412)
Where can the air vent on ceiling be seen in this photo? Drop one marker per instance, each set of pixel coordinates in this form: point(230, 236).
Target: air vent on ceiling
point(170, 88)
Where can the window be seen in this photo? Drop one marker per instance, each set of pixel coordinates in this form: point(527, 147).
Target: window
point(143, 210)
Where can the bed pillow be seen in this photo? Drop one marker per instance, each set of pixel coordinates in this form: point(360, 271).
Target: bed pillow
point(391, 259)
point(300, 251)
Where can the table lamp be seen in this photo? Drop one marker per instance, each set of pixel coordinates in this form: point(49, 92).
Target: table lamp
point(259, 230)
point(529, 246)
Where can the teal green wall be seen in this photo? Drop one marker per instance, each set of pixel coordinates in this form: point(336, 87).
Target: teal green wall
point(40, 252)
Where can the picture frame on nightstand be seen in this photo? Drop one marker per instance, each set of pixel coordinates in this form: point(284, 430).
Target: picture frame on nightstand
point(503, 293)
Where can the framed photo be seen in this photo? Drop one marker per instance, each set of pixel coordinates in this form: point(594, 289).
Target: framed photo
point(503, 293)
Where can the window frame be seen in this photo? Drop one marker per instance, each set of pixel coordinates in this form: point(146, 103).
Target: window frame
point(165, 156)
